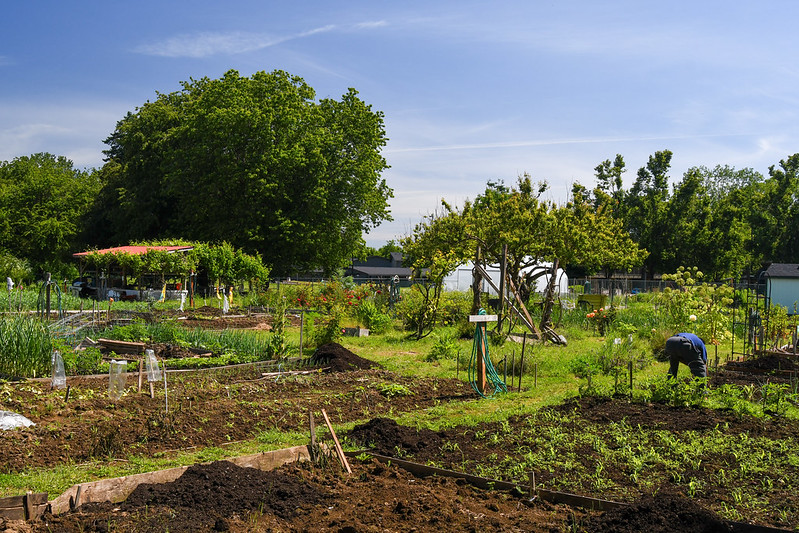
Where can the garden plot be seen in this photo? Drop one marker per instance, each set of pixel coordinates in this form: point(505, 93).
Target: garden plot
point(208, 408)
point(736, 466)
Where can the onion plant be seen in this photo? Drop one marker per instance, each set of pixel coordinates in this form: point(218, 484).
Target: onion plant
point(26, 347)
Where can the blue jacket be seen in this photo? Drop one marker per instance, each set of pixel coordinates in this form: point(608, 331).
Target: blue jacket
point(697, 343)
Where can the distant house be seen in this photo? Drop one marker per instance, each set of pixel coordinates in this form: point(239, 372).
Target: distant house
point(379, 269)
point(782, 285)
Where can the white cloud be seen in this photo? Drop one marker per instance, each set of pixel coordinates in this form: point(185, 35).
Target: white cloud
point(206, 44)
point(368, 25)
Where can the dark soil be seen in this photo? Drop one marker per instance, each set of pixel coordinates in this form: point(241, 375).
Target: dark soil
point(766, 362)
point(340, 359)
point(386, 437)
point(299, 497)
point(376, 497)
point(465, 448)
point(663, 513)
point(209, 408)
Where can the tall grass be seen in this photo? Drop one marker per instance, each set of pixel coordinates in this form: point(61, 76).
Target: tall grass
point(26, 347)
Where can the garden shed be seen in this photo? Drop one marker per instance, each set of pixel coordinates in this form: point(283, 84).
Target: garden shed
point(380, 269)
point(782, 285)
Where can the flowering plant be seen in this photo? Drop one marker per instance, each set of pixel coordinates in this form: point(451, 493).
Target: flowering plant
point(601, 318)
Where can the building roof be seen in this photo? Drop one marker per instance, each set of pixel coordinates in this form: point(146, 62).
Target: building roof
point(135, 250)
point(783, 270)
point(382, 272)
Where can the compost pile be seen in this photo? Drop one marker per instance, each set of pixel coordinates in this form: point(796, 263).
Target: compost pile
point(663, 513)
point(203, 498)
point(386, 437)
point(340, 359)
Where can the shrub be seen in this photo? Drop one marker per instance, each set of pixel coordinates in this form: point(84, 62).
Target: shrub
point(372, 318)
point(445, 347)
point(601, 319)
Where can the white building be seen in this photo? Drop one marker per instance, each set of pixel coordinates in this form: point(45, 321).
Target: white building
point(461, 278)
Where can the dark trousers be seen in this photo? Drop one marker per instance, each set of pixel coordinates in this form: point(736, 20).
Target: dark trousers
point(680, 350)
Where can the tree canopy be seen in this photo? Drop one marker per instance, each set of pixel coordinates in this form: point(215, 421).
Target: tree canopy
point(43, 202)
point(256, 162)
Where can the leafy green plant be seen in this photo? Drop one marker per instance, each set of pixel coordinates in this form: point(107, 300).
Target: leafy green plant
point(372, 318)
point(26, 347)
point(445, 347)
point(389, 390)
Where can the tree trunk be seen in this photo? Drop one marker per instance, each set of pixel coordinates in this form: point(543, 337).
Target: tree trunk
point(546, 313)
point(477, 281)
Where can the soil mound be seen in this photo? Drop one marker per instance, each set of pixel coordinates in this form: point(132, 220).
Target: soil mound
point(340, 359)
point(766, 362)
point(386, 437)
point(662, 513)
point(220, 490)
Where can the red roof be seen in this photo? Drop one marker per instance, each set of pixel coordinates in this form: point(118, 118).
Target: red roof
point(135, 250)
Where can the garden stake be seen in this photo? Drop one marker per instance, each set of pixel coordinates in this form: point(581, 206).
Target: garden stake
point(532, 486)
point(141, 364)
point(339, 450)
point(302, 325)
point(166, 395)
point(630, 365)
point(521, 361)
point(505, 368)
point(66, 396)
point(513, 368)
point(312, 426)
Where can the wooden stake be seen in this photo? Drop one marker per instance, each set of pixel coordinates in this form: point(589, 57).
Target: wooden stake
point(152, 389)
point(630, 364)
point(339, 450)
point(312, 426)
point(302, 326)
point(66, 396)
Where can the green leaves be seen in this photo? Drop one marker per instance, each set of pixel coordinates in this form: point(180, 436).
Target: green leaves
point(255, 162)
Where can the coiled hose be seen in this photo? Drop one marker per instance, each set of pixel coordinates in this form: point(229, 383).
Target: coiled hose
point(491, 374)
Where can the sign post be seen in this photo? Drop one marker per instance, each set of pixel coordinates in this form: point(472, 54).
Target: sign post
point(481, 321)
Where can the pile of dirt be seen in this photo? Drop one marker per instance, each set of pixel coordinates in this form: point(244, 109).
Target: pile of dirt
point(210, 494)
point(662, 513)
point(386, 437)
point(376, 497)
point(766, 362)
point(340, 359)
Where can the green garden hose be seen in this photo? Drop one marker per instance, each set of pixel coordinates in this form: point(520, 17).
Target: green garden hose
point(491, 373)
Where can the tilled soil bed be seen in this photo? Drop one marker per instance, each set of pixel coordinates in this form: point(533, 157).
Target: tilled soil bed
point(206, 408)
point(617, 450)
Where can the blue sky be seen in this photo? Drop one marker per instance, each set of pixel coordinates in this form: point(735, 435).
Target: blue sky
point(471, 91)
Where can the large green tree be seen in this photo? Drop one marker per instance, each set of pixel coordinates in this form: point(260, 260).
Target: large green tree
point(257, 162)
point(43, 202)
point(645, 211)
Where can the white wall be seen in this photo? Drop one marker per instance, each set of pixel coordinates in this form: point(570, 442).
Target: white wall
point(785, 292)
